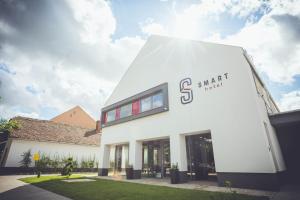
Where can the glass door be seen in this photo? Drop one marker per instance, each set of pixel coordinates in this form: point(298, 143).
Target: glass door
point(156, 158)
point(200, 156)
point(118, 158)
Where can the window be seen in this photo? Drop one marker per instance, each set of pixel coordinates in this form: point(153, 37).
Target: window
point(126, 110)
point(111, 115)
point(146, 104)
point(157, 100)
point(152, 102)
point(149, 102)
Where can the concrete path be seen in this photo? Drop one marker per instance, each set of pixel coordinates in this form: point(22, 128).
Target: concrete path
point(13, 189)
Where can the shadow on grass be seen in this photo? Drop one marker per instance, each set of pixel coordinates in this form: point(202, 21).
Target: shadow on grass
point(114, 190)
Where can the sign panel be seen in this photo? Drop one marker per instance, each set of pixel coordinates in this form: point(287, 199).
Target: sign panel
point(185, 86)
point(36, 156)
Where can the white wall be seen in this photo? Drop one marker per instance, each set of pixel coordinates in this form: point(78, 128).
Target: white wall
point(231, 113)
point(78, 152)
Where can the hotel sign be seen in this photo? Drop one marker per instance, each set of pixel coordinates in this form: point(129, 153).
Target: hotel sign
point(186, 90)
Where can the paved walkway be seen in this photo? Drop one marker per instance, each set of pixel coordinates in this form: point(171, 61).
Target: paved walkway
point(13, 189)
point(286, 192)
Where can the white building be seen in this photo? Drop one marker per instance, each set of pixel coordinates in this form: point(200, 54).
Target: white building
point(199, 105)
point(51, 139)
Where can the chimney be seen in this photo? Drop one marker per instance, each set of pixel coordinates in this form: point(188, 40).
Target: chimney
point(98, 126)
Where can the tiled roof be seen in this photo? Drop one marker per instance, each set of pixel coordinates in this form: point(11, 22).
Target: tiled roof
point(49, 131)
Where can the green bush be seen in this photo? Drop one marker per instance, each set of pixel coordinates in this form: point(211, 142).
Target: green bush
point(55, 162)
point(68, 168)
point(88, 163)
point(91, 162)
point(84, 163)
point(44, 162)
point(75, 164)
point(26, 159)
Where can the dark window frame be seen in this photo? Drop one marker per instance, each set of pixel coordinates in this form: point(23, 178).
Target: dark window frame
point(152, 91)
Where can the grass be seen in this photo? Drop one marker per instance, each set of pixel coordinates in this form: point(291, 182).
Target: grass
point(117, 190)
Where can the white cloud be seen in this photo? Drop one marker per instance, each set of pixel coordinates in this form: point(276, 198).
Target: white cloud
point(150, 27)
point(290, 101)
point(194, 21)
point(77, 64)
point(61, 85)
point(274, 44)
point(96, 20)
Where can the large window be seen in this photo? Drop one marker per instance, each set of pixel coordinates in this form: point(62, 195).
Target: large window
point(149, 102)
point(126, 110)
point(154, 101)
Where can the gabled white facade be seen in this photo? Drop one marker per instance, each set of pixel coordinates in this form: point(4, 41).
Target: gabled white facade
point(230, 107)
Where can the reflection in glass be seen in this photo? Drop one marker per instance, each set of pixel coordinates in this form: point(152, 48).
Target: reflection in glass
point(157, 100)
point(146, 104)
point(111, 115)
point(126, 110)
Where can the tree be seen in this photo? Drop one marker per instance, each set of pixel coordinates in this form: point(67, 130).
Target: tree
point(26, 160)
point(8, 125)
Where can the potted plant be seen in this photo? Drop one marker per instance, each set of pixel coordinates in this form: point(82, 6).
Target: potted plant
point(129, 172)
point(174, 174)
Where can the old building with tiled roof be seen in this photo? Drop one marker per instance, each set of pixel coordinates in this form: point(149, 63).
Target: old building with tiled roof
point(52, 139)
point(49, 131)
point(75, 116)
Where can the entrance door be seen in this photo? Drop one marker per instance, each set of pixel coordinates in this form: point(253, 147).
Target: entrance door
point(118, 158)
point(200, 156)
point(156, 158)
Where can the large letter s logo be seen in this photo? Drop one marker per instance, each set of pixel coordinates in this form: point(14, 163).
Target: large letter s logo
point(186, 90)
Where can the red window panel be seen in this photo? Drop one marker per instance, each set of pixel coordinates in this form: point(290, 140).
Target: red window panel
point(136, 107)
point(117, 113)
point(105, 118)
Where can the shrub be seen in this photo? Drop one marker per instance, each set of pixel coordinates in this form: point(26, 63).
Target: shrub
point(44, 162)
point(55, 162)
point(91, 163)
point(68, 168)
point(75, 163)
point(84, 163)
point(26, 160)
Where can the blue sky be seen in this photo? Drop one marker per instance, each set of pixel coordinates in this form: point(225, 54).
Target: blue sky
point(130, 15)
point(54, 56)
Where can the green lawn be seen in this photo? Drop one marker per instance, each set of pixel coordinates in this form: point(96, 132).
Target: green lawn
point(117, 190)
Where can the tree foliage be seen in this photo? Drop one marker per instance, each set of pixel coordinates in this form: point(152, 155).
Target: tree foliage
point(9, 125)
